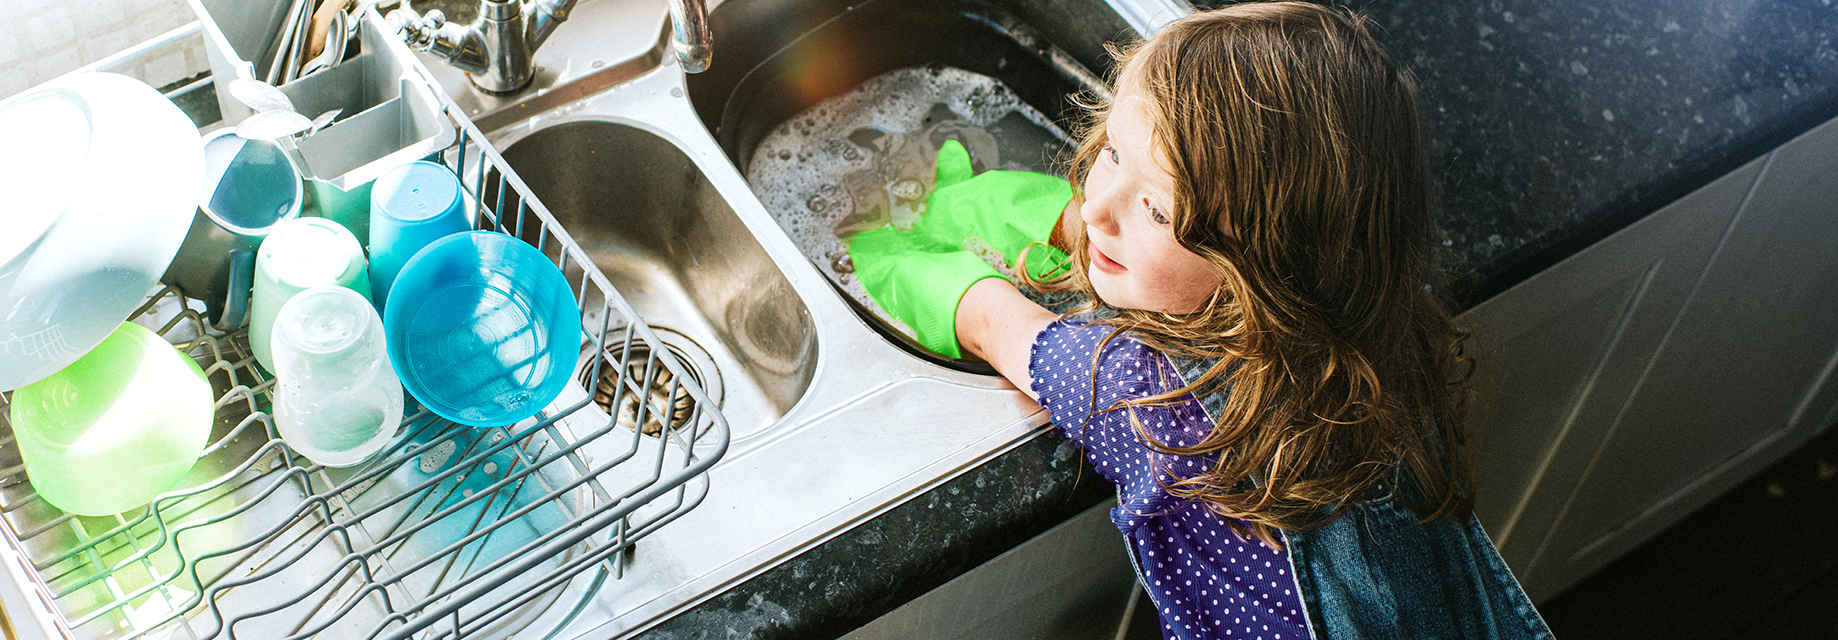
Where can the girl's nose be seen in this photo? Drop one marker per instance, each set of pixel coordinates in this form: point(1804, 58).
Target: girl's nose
point(1097, 210)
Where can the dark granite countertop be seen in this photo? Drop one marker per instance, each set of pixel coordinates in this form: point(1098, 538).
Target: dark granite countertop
point(1552, 124)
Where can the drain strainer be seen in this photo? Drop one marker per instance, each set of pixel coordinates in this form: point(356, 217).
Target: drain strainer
point(652, 384)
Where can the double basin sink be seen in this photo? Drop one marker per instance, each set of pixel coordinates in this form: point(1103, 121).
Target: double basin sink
point(835, 414)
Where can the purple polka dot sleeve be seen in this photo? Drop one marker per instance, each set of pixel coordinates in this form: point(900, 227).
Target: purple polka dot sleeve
point(1205, 581)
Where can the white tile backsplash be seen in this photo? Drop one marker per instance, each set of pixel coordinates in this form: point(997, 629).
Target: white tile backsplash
point(11, 47)
point(43, 39)
point(49, 28)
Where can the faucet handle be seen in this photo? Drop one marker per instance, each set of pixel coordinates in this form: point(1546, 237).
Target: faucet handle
point(456, 43)
point(417, 30)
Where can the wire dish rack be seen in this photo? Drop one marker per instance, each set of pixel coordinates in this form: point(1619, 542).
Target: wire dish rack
point(452, 531)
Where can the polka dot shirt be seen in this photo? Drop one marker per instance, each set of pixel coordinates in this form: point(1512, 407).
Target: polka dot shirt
point(1204, 581)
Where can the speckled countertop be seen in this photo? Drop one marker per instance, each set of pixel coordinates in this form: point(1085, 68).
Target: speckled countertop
point(1552, 123)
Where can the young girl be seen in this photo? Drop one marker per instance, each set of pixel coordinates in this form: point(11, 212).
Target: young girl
point(1262, 373)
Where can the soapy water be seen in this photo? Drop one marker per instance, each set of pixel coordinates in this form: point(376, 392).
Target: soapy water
point(867, 158)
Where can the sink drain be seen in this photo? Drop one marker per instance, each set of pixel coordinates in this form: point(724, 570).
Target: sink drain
point(658, 388)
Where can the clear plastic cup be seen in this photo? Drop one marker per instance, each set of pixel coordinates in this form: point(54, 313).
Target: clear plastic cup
point(482, 328)
point(119, 426)
point(337, 400)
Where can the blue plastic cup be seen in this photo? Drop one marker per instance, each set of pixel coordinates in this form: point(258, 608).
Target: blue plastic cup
point(483, 329)
point(411, 206)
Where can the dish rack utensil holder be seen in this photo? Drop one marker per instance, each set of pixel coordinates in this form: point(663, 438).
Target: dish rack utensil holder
point(452, 531)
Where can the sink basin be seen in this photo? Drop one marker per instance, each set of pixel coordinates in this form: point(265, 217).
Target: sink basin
point(905, 75)
point(675, 249)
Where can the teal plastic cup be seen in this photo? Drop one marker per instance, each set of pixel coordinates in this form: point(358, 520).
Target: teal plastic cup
point(250, 187)
point(116, 428)
point(482, 328)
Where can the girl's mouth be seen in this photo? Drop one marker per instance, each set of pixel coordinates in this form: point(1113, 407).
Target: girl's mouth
point(1103, 262)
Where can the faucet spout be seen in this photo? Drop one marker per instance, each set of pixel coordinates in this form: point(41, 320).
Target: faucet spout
point(498, 51)
point(689, 35)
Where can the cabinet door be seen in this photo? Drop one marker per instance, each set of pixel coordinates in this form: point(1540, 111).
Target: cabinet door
point(1741, 379)
point(1559, 355)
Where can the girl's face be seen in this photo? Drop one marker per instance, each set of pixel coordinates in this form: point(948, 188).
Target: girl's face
point(1135, 261)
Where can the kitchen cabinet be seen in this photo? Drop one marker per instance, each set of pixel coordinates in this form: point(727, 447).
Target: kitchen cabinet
point(1630, 384)
point(1072, 582)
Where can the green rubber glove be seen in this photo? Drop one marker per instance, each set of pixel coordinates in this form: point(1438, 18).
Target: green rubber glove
point(918, 280)
point(1044, 261)
point(1006, 209)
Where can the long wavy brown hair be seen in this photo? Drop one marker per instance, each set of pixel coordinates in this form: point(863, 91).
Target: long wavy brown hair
point(1288, 125)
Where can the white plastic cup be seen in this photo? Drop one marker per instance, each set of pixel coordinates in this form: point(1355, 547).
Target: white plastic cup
point(297, 255)
point(337, 399)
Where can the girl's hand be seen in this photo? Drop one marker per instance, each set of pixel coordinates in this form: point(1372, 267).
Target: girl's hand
point(919, 281)
point(1008, 210)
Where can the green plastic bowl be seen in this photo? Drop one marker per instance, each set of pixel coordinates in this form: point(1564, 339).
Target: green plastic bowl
point(121, 425)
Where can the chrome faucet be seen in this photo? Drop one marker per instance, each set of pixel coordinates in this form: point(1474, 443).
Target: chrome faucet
point(498, 50)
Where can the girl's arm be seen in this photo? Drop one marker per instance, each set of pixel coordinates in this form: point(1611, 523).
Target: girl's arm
point(998, 324)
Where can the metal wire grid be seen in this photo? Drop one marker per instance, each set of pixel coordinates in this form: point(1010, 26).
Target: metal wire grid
point(452, 531)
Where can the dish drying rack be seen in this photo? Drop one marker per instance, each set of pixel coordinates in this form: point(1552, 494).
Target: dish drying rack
point(451, 531)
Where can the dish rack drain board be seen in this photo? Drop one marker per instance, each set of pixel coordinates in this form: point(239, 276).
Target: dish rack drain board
point(452, 531)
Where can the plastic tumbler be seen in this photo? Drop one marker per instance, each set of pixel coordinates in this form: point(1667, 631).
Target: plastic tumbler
point(337, 400)
point(411, 206)
point(121, 425)
point(300, 254)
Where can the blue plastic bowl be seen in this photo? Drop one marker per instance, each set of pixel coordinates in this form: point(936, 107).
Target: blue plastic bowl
point(482, 328)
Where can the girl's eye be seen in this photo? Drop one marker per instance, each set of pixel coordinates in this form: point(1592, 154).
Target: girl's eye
point(1113, 154)
point(1155, 213)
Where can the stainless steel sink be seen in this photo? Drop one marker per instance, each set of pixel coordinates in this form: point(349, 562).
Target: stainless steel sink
point(841, 424)
point(671, 244)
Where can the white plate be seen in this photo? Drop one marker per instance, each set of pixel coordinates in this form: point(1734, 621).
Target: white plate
point(98, 185)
